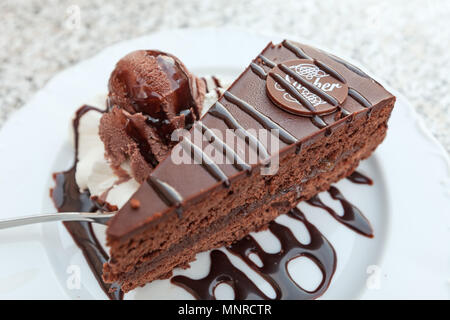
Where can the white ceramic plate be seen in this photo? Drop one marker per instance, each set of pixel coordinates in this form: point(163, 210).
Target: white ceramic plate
point(408, 206)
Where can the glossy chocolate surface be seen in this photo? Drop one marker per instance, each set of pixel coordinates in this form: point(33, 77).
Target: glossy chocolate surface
point(246, 105)
point(154, 83)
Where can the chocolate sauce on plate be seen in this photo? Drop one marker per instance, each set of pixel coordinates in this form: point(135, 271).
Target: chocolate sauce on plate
point(68, 198)
point(274, 269)
point(352, 217)
point(359, 178)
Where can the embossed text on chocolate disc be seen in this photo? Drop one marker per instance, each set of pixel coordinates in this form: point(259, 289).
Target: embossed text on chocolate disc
point(301, 87)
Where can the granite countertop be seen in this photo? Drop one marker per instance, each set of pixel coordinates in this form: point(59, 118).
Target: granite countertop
point(404, 42)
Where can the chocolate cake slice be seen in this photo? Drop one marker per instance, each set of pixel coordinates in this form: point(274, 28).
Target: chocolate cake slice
point(328, 116)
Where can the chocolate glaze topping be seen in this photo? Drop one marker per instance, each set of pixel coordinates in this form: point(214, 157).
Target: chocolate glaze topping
point(258, 70)
point(265, 121)
point(238, 163)
point(251, 108)
point(316, 119)
point(295, 49)
point(302, 55)
point(209, 165)
point(350, 66)
point(168, 194)
point(358, 97)
point(219, 111)
point(315, 89)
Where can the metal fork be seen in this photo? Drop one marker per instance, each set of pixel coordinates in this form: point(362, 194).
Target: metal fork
point(95, 217)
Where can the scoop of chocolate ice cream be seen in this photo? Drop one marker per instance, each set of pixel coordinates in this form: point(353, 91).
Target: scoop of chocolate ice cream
point(159, 86)
point(128, 138)
point(151, 93)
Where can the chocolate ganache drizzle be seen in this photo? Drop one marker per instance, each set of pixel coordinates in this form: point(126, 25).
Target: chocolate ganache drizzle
point(359, 178)
point(68, 198)
point(352, 217)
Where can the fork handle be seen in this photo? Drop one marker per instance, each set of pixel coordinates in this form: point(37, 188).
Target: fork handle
point(101, 218)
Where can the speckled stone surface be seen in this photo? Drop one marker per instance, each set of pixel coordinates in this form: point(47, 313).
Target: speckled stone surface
point(404, 42)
